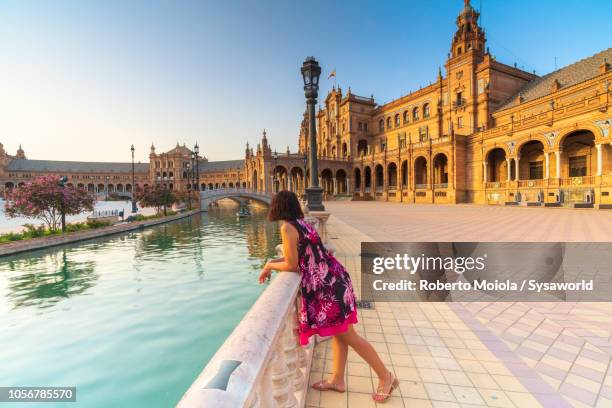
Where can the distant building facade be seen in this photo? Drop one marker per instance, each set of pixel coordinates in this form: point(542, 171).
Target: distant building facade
point(172, 169)
point(486, 133)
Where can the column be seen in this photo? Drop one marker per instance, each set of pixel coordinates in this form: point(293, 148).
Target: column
point(599, 160)
point(558, 163)
point(547, 165)
point(516, 167)
point(348, 185)
point(335, 184)
point(484, 172)
point(509, 169)
point(289, 183)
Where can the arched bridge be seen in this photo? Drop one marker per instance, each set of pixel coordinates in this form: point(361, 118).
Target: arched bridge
point(208, 197)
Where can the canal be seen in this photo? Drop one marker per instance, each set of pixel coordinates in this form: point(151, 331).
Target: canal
point(130, 319)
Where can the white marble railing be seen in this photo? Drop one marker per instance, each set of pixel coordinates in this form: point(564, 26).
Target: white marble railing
point(261, 363)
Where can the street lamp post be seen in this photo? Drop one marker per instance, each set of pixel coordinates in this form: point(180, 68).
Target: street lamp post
point(310, 73)
point(305, 170)
point(62, 183)
point(134, 208)
point(188, 164)
point(275, 179)
point(196, 150)
point(192, 169)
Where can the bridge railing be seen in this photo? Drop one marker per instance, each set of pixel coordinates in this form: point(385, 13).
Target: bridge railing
point(231, 191)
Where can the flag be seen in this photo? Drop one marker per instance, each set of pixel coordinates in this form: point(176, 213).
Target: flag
point(332, 74)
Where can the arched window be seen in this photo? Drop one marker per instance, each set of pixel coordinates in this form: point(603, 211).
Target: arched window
point(389, 123)
point(397, 120)
point(381, 125)
point(426, 110)
point(415, 113)
point(406, 117)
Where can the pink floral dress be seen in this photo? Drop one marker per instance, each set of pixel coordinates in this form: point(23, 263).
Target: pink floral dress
point(327, 296)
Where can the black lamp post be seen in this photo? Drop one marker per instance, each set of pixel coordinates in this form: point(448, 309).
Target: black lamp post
point(310, 73)
point(134, 208)
point(275, 179)
point(196, 150)
point(305, 170)
point(62, 183)
point(188, 164)
point(192, 174)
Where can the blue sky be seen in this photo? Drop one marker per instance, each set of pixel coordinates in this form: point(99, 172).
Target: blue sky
point(82, 80)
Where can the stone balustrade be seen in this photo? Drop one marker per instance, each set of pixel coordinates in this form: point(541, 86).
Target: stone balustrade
point(261, 364)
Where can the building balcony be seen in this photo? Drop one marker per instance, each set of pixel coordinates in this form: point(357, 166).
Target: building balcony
point(531, 183)
point(440, 186)
point(421, 186)
point(577, 181)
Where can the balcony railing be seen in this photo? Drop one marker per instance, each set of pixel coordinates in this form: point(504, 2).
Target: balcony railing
point(578, 181)
point(531, 183)
point(421, 186)
point(440, 185)
point(459, 103)
point(496, 184)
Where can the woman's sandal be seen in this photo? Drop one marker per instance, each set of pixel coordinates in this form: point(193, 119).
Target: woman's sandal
point(380, 395)
point(325, 385)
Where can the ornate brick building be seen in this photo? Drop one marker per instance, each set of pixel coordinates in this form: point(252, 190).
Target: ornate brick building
point(175, 168)
point(485, 132)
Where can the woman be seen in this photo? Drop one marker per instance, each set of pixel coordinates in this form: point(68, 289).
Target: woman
point(327, 299)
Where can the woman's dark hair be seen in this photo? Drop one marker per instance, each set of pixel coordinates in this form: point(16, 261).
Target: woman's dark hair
point(285, 206)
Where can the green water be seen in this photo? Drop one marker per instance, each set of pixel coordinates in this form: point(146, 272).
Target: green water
point(131, 319)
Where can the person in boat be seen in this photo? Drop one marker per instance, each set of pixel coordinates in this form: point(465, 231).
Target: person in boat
point(327, 301)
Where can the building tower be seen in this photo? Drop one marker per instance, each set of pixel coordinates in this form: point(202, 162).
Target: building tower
point(469, 36)
point(20, 153)
point(467, 52)
point(265, 147)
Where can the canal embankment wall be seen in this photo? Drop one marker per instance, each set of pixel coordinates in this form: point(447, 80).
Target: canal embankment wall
point(55, 240)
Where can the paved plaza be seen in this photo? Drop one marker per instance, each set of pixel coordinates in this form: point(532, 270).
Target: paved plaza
point(473, 354)
point(384, 221)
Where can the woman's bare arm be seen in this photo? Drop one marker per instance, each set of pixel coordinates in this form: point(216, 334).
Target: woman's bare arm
point(289, 261)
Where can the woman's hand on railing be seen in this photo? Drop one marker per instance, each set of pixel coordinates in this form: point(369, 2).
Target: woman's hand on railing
point(266, 273)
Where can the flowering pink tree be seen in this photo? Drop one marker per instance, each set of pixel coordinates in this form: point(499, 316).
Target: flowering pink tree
point(157, 196)
point(43, 198)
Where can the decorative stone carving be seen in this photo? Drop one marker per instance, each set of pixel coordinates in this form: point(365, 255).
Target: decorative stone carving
point(604, 125)
point(551, 137)
point(511, 146)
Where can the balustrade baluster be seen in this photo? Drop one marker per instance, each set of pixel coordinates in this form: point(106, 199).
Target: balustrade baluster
point(282, 374)
point(290, 346)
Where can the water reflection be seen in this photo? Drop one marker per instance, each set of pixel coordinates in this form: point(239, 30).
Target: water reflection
point(131, 319)
point(43, 278)
point(60, 279)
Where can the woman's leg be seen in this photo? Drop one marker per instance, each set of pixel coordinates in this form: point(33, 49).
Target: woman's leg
point(340, 352)
point(365, 351)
